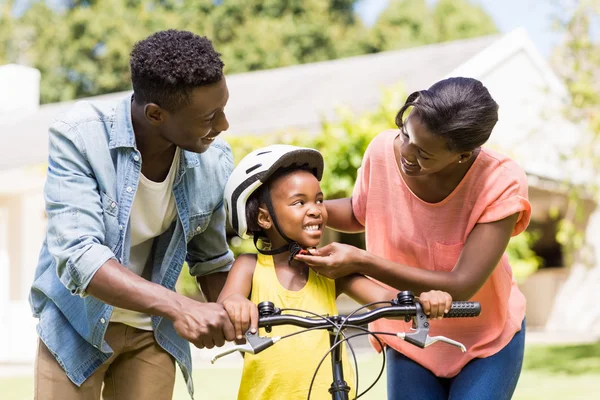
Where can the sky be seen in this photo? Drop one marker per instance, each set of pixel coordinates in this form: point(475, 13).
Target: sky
point(533, 15)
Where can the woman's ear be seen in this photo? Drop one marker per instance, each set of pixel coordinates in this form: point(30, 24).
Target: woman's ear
point(264, 219)
point(464, 157)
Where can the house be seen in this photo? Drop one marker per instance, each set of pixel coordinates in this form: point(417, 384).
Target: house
point(531, 130)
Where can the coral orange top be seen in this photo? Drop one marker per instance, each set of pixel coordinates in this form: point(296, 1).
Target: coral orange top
point(405, 229)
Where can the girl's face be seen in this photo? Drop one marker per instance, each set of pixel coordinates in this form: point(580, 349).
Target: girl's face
point(419, 152)
point(298, 204)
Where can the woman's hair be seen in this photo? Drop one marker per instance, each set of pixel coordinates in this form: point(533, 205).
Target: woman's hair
point(168, 65)
point(257, 198)
point(461, 110)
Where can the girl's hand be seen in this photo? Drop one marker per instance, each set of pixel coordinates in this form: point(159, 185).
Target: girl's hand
point(243, 314)
point(334, 260)
point(435, 303)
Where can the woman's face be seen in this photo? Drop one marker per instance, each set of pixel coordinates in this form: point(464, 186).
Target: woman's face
point(423, 153)
point(298, 204)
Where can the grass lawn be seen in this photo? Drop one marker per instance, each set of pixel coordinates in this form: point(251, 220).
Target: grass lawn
point(549, 372)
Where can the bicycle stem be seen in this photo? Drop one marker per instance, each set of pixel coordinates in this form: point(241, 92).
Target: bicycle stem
point(339, 389)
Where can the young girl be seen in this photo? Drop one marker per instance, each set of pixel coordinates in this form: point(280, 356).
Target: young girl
point(274, 195)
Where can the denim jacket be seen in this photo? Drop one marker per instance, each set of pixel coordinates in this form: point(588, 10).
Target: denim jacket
point(93, 173)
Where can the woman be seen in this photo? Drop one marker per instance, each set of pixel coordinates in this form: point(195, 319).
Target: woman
point(438, 211)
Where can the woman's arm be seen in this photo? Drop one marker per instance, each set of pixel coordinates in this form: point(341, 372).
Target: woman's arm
point(341, 217)
point(480, 255)
point(364, 291)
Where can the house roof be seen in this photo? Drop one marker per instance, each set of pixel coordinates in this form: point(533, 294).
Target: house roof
point(296, 97)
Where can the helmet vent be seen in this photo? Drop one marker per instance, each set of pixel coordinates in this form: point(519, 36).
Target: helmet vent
point(253, 168)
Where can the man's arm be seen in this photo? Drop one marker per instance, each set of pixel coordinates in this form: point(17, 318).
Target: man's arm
point(77, 236)
point(209, 256)
point(203, 324)
point(212, 285)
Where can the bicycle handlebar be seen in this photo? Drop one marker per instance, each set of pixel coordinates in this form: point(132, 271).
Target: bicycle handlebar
point(403, 306)
point(459, 309)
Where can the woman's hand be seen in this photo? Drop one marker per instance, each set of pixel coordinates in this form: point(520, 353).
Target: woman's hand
point(334, 260)
point(243, 314)
point(435, 303)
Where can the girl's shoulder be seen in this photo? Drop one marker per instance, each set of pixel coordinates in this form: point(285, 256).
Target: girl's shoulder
point(246, 261)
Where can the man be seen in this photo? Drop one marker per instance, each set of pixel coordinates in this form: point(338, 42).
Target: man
point(134, 189)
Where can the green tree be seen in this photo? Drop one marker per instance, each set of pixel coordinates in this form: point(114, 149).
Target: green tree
point(577, 60)
point(460, 19)
point(8, 47)
point(82, 48)
point(262, 34)
point(408, 23)
point(405, 23)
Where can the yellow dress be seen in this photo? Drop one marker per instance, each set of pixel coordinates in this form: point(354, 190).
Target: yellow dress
point(285, 370)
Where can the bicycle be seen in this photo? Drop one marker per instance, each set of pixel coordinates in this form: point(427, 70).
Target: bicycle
point(404, 305)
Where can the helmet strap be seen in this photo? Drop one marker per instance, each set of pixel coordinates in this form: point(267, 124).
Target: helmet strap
point(278, 250)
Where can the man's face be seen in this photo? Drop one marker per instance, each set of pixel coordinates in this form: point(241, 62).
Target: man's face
point(195, 126)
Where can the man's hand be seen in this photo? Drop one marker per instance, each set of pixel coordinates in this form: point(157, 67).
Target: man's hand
point(203, 324)
point(243, 314)
point(334, 260)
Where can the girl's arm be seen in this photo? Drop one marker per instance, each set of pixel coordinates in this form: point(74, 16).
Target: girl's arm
point(341, 217)
point(482, 251)
point(234, 296)
point(364, 291)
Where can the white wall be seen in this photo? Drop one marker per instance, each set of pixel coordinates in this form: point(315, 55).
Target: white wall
point(22, 230)
point(19, 92)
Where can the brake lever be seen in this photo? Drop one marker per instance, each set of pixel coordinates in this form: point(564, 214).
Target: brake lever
point(420, 335)
point(433, 339)
point(254, 345)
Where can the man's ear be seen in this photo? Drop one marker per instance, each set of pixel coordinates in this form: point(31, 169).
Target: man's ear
point(264, 218)
point(155, 114)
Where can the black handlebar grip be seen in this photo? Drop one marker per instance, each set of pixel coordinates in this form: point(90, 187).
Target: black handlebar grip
point(464, 309)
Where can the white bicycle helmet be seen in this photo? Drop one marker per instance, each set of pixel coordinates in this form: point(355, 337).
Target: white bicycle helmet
point(255, 169)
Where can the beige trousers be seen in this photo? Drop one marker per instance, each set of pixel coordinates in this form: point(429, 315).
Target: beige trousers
point(138, 369)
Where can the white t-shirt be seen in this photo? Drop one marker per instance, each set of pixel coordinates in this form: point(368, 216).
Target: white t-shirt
point(152, 213)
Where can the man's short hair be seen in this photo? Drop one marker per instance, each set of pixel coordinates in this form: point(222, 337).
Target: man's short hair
point(168, 65)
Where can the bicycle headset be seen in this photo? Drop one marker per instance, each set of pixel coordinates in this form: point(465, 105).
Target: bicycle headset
point(255, 170)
